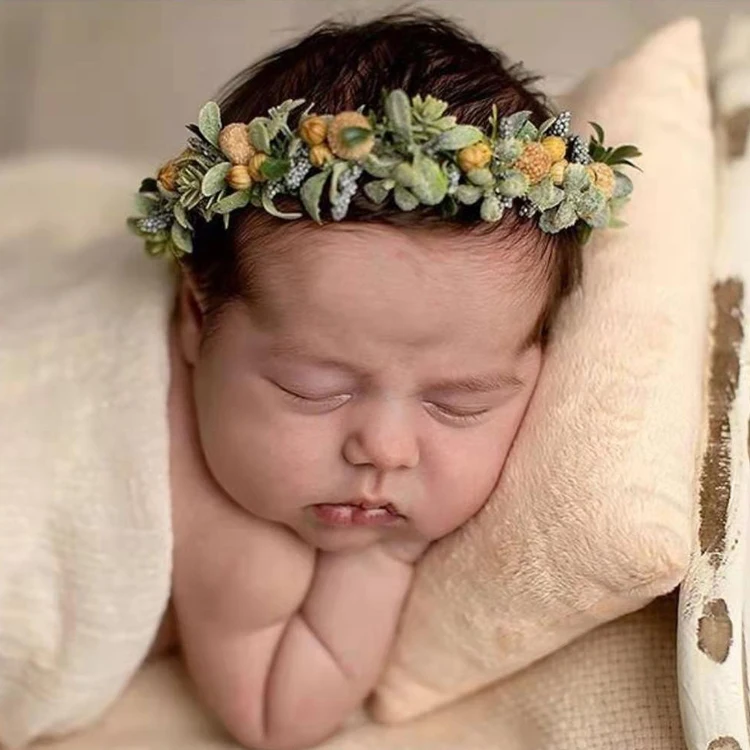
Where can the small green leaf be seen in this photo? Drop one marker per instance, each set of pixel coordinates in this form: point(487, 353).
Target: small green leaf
point(565, 215)
point(405, 199)
point(623, 185)
point(449, 206)
point(339, 167)
point(458, 137)
point(576, 177)
point(544, 195)
point(273, 168)
point(547, 222)
point(405, 175)
point(155, 248)
point(513, 184)
point(182, 239)
point(589, 203)
point(599, 131)
point(146, 202)
point(597, 152)
point(267, 203)
point(629, 164)
point(311, 192)
point(623, 152)
point(259, 136)
point(507, 150)
point(377, 190)
point(215, 179)
point(601, 219)
point(232, 202)
point(468, 194)
point(209, 122)
point(491, 209)
point(517, 120)
point(380, 166)
point(615, 223)
point(398, 111)
point(446, 123)
point(434, 108)
point(482, 177)
point(432, 184)
point(528, 132)
point(584, 233)
point(354, 135)
point(181, 216)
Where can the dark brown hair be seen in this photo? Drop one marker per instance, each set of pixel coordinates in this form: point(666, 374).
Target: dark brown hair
point(340, 66)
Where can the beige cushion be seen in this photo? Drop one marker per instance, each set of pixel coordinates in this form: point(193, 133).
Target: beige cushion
point(591, 516)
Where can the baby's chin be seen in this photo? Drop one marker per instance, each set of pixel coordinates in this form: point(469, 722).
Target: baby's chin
point(338, 540)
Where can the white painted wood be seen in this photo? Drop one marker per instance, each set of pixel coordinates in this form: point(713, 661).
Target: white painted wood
point(712, 694)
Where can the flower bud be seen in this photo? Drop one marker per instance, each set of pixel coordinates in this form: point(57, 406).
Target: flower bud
point(239, 178)
point(320, 155)
point(254, 166)
point(313, 130)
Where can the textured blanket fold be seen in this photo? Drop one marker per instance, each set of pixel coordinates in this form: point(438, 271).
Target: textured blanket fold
point(85, 540)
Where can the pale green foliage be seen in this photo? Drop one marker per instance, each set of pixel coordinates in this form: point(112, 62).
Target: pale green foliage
point(413, 160)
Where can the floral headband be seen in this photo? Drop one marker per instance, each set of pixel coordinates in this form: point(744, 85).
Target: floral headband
point(414, 154)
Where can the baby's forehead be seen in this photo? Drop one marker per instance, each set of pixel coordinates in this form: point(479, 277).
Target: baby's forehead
point(390, 286)
point(360, 250)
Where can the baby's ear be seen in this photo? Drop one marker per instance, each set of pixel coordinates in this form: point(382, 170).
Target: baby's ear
point(190, 319)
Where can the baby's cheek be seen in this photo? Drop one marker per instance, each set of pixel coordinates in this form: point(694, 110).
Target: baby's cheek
point(464, 480)
point(270, 466)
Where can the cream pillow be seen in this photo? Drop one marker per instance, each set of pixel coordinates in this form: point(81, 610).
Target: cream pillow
point(591, 517)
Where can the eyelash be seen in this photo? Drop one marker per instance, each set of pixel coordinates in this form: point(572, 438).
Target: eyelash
point(447, 412)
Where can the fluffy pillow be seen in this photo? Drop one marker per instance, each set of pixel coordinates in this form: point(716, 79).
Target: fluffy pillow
point(591, 517)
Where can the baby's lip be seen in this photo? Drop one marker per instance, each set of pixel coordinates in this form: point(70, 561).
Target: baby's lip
point(370, 504)
point(367, 504)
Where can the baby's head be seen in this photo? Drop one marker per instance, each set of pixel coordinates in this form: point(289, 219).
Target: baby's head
point(388, 356)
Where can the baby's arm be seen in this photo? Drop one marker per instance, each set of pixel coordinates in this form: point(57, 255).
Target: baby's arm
point(334, 648)
point(281, 652)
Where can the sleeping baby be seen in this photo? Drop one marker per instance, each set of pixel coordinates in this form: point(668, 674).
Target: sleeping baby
point(373, 229)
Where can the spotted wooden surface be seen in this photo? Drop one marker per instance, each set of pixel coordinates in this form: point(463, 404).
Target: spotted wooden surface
point(715, 597)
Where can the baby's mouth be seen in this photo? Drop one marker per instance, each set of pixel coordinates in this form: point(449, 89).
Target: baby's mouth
point(357, 514)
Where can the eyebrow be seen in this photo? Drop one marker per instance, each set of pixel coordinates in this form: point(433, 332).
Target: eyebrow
point(483, 383)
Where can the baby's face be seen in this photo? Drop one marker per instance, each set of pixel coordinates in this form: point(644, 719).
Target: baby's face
point(391, 371)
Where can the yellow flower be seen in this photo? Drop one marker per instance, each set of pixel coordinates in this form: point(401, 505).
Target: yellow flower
point(239, 178)
point(346, 142)
point(320, 154)
point(535, 162)
point(555, 147)
point(603, 177)
point(167, 176)
point(254, 166)
point(476, 156)
point(234, 143)
point(313, 130)
point(557, 173)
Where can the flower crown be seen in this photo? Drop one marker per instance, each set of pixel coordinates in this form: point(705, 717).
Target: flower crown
point(414, 153)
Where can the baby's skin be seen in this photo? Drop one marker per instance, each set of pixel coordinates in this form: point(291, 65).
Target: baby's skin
point(389, 366)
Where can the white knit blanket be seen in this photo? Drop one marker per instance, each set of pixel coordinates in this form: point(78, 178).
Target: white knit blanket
point(85, 537)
